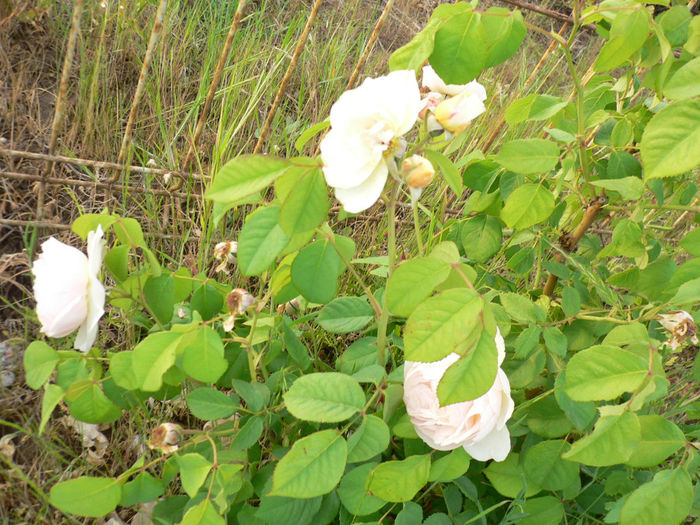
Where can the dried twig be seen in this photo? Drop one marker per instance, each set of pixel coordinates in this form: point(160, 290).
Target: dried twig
point(541, 10)
point(98, 164)
point(287, 76)
point(141, 86)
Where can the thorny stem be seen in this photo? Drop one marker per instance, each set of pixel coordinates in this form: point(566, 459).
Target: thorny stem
point(416, 225)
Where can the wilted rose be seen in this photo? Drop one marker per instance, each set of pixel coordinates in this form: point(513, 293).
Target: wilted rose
point(682, 327)
point(165, 437)
point(367, 125)
point(68, 292)
point(225, 251)
point(478, 425)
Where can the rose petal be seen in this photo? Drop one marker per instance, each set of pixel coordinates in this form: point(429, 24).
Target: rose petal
point(495, 445)
point(361, 197)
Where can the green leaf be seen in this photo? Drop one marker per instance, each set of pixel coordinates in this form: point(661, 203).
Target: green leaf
point(450, 467)
point(604, 372)
point(413, 282)
point(310, 133)
point(529, 204)
point(398, 481)
point(675, 23)
point(153, 357)
point(129, 232)
point(443, 324)
point(207, 301)
point(88, 403)
point(628, 33)
point(295, 347)
point(275, 510)
point(203, 359)
point(522, 309)
point(660, 439)
point(160, 297)
point(534, 107)
point(122, 370)
point(256, 395)
point(528, 155)
point(447, 168)
point(244, 176)
point(543, 465)
point(261, 241)
point(40, 361)
point(666, 499)
point(361, 354)
point(208, 404)
point(629, 188)
point(325, 397)
point(671, 140)
point(459, 52)
point(411, 514)
point(545, 510)
point(52, 396)
point(504, 32)
point(626, 241)
point(684, 83)
point(142, 489)
point(117, 262)
point(370, 439)
point(612, 441)
point(555, 340)
point(416, 52)
point(570, 301)
point(204, 513)
point(353, 492)
point(692, 46)
point(345, 314)
point(472, 375)
point(315, 271)
point(89, 221)
point(481, 237)
point(691, 242)
point(249, 434)
point(194, 469)
point(87, 496)
point(509, 478)
point(687, 293)
point(306, 206)
point(312, 467)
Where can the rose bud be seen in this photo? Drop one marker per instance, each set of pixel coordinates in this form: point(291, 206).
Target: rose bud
point(69, 295)
point(165, 437)
point(479, 425)
point(418, 171)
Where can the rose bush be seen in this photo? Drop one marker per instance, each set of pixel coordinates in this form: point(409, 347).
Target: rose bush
point(68, 292)
point(367, 125)
point(478, 425)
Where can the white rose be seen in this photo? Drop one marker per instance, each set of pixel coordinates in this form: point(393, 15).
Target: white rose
point(68, 293)
point(465, 102)
point(478, 425)
point(367, 124)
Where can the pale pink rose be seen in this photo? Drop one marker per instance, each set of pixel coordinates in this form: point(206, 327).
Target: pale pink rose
point(69, 295)
point(464, 103)
point(478, 425)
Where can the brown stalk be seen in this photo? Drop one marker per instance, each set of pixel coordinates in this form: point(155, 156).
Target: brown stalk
point(287, 76)
point(541, 10)
point(572, 242)
point(213, 86)
point(97, 164)
point(95, 76)
point(141, 86)
point(61, 100)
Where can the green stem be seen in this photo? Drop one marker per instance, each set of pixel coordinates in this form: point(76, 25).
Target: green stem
point(391, 253)
point(581, 125)
point(416, 225)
